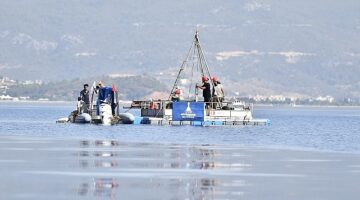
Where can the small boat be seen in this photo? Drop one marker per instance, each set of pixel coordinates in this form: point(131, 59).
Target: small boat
point(104, 110)
point(193, 110)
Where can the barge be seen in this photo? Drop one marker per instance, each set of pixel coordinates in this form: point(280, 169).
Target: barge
point(193, 110)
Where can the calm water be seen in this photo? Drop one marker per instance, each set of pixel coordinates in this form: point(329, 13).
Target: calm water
point(306, 153)
point(330, 129)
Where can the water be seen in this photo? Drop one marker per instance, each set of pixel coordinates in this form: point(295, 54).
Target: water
point(329, 129)
point(306, 153)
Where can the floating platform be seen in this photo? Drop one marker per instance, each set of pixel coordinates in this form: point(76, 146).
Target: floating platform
point(163, 122)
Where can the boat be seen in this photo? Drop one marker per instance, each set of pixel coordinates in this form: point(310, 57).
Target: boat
point(103, 109)
point(193, 110)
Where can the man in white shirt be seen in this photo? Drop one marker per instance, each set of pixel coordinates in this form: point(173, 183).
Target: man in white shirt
point(218, 91)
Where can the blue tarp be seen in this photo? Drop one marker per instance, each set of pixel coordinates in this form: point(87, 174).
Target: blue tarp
point(106, 95)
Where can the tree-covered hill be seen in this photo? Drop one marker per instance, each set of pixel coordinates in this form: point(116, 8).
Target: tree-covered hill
point(131, 87)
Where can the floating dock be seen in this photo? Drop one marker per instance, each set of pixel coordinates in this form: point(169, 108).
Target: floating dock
point(164, 122)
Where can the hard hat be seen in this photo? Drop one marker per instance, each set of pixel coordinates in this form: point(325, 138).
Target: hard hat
point(214, 78)
point(204, 78)
point(177, 91)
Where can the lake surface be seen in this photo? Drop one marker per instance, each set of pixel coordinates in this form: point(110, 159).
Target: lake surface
point(306, 153)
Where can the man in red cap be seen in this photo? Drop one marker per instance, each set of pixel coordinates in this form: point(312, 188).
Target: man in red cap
point(206, 90)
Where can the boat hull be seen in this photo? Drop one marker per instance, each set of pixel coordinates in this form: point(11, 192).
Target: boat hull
point(127, 118)
point(83, 118)
point(207, 122)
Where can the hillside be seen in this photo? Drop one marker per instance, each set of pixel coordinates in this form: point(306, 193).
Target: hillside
point(132, 87)
point(257, 46)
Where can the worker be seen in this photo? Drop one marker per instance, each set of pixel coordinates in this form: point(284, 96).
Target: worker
point(177, 95)
point(80, 106)
point(100, 96)
point(84, 95)
point(153, 105)
point(206, 90)
point(100, 84)
point(218, 91)
point(79, 109)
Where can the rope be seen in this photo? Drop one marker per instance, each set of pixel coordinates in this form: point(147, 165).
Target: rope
point(192, 78)
point(181, 69)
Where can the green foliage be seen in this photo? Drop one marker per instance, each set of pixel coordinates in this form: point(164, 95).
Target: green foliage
point(133, 87)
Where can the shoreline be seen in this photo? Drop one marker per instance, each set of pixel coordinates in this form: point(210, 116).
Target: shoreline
point(129, 101)
point(306, 106)
point(45, 102)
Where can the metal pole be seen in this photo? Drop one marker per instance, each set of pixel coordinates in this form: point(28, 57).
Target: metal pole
point(181, 69)
point(117, 103)
point(206, 65)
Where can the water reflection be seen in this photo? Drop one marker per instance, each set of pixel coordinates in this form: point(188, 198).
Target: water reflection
point(105, 164)
point(105, 187)
point(177, 171)
point(95, 156)
point(101, 187)
point(104, 143)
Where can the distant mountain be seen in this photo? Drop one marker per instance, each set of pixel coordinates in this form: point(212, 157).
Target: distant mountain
point(256, 46)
